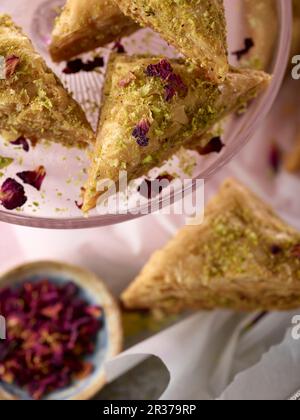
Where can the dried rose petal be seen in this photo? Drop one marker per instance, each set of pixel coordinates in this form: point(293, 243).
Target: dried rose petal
point(275, 249)
point(163, 69)
point(140, 133)
point(249, 43)
point(119, 47)
point(34, 178)
point(92, 65)
point(275, 158)
point(78, 205)
point(73, 66)
point(77, 65)
point(11, 63)
point(21, 141)
point(52, 311)
point(214, 146)
point(175, 85)
point(12, 194)
point(296, 251)
point(50, 331)
point(151, 188)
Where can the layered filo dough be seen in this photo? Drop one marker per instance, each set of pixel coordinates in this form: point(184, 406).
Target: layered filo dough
point(196, 28)
point(168, 111)
point(33, 102)
point(88, 24)
point(243, 257)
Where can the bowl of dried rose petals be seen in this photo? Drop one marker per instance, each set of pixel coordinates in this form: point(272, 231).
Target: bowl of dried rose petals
point(61, 326)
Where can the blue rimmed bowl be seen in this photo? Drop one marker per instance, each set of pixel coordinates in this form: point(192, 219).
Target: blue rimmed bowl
point(109, 339)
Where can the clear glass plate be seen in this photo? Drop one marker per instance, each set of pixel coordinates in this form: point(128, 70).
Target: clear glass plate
point(55, 206)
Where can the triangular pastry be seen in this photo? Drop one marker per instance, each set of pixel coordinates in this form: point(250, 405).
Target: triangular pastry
point(242, 257)
point(152, 107)
point(33, 102)
point(88, 24)
point(197, 28)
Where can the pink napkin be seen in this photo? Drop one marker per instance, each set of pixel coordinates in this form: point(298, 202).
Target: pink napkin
point(10, 249)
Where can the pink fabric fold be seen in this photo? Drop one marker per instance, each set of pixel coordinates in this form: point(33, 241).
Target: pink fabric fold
point(10, 248)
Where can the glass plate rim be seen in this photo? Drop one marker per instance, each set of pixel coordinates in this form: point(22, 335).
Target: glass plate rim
point(285, 14)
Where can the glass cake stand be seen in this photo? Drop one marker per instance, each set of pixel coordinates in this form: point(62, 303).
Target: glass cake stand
point(55, 206)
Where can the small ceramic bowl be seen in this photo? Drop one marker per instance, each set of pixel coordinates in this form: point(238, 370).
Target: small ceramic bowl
point(110, 337)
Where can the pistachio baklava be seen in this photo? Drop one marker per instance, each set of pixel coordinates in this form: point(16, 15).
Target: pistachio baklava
point(243, 257)
point(196, 28)
point(152, 107)
point(88, 24)
point(33, 102)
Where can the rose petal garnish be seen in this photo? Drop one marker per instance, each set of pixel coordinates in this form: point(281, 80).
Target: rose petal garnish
point(51, 330)
point(174, 85)
point(75, 66)
point(21, 141)
point(34, 178)
point(276, 249)
point(78, 205)
point(163, 70)
point(119, 47)
point(140, 133)
point(150, 188)
point(215, 145)
point(296, 251)
point(12, 194)
point(275, 158)
point(11, 63)
point(249, 44)
point(92, 65)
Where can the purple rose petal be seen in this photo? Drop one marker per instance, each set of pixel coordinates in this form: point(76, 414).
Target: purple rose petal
point(50, 331)
point(174, 83)
point(151, 188)
point(34, 178)
point(163, 70)
point(214, 146)
point(140, 133)
point(119, 47)
point(21, 141)
point(77, 65)
point(275, 158)
point(12, 194)
point(249, 44)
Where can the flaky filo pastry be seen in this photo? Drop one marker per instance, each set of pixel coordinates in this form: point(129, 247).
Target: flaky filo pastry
point(173, 108)
point(196, 28)
point(243, 257)
point(88, 24)
point(33, 102)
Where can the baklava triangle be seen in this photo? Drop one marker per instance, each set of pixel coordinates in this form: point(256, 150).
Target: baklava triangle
point(152, 107)
point(243, 257)
point(33, 102)
point(88, 24)
point(197, 28)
